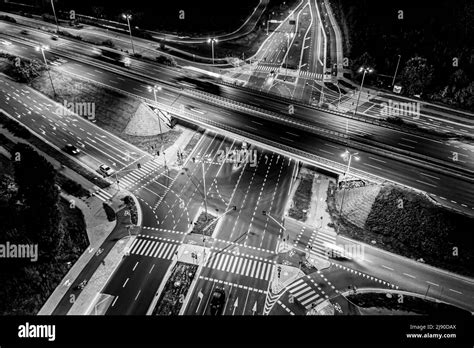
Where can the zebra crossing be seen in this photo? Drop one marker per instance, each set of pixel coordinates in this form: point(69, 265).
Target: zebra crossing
point(311, 75)
point(102, 195)
point(240, 265)
point(317, 242)
point(135, 176)
point(303, 293)
point(268, 68)
point(153, 248)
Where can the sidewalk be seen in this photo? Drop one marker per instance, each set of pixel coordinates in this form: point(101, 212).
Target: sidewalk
point(98, 230)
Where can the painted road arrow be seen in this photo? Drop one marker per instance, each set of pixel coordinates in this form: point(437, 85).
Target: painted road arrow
point(254, 309)
point(236, 303)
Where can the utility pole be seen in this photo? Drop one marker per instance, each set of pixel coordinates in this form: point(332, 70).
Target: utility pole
point(55, 18)
point(364, 70)
point(396, 70)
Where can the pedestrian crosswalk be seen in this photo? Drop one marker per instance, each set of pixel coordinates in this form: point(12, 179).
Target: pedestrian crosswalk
point(135, 176)
point(153, 248)
point(102, 195)
point(318, 242)
point(268, 68)
point(240, 265)
point(302, 292)
point(311, 75)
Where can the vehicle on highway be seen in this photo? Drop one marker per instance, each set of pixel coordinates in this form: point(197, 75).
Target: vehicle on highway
point(111, 55)
point(195, 109)
point(106, 170)
point(5, 42)
point(54, 37)
point(71, 149)
point(217, 301)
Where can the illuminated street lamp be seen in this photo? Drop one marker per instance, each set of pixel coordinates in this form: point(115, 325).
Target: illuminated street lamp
point(347, 156)
point(42, 48)
point(212, 41)
point(154, 89)
point(364, 70)
point(128, 17)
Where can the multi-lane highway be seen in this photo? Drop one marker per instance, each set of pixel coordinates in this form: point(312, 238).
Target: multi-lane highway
point(425, 178)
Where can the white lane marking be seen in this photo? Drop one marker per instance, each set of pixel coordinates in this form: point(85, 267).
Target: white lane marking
point(457, 292)
point(125, 283)
point(113, 303)
point(428, 175)
point(409, 275)
point(286, 139)
point(261, 124)
point(135, 266)
point(432, 283)
point(411, 147)
point(139, 291)
point(367, 164)
point(296, 135)
point(422, 182)
point(376, 159)
point(391, 269)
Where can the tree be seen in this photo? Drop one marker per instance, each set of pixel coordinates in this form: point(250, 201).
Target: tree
point(38, 198)
point(416, 76)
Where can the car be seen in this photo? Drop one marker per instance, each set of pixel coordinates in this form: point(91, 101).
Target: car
point(106, 170)
point(54, 37)
point(71, 149)
point(5, 42)
point(217, 301)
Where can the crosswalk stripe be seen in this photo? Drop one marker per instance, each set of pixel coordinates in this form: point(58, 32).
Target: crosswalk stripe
point(252, 271)
point(232, 262)
point(309, 300)
point(159, 249)
point(222, 262)
point(169, 252)
point(135, 245)
point(238, 265)
point(152, 251)
point(145, 242)
point(148, 248)
point(293, 290)
point(257, 271)
point(301, 298)
point(269, 271)
point(292, 285)
point(164, 251)
point(242, 270)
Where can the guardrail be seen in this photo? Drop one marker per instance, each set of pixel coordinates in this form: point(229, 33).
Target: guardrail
point(341, 138)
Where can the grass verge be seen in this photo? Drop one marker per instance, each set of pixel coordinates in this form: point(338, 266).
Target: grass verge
point(409, 224)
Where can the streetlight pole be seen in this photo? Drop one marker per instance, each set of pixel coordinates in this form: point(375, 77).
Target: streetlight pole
point(212, 41)
point(365, 70)
point(204, 184)
point(396, 70)
point(42, 48)
point(347, 155)
point(55, 18)
point(154, 89)
point(128, 17)
point(288, 35)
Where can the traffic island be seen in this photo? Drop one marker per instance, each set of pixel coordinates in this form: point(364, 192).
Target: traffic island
point(204, 225)
point(174, 292)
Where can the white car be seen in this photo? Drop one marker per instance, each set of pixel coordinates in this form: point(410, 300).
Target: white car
point(5, 42)
point(106, 170)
